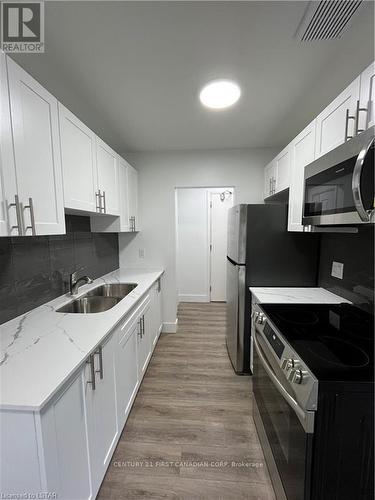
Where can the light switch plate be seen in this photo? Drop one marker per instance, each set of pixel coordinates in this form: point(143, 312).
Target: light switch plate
point(141, 253)
point(337, 270)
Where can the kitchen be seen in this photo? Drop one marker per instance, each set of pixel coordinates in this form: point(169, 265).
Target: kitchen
point(122, 373)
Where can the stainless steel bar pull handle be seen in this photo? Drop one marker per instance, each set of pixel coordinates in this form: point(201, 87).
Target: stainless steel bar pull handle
point(99, 352)
point(358, 110)
point(30, 206)
point(140, 328)
point(143, 325)
point(91, 362)
point(104, 206)
point(348, 117)
point(17, 206)
point(98, 201)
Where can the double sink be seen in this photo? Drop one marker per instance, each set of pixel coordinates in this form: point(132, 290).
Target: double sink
point(99, 299)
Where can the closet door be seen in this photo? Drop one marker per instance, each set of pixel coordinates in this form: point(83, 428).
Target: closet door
point(35, 128)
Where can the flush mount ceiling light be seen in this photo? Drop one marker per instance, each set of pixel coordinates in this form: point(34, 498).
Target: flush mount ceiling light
point(220, 94)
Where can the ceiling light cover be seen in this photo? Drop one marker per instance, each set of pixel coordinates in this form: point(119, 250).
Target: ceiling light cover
point(220, 94)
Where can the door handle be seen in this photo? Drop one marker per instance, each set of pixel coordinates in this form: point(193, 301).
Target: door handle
point(30, 206)
point(98, 201)
point(348, 117)
point(99, 352)
point(90, 361)
point(358, 110)
point(17, 206)
point(356, 183)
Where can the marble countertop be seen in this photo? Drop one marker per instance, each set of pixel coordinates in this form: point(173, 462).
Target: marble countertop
point(41, 349)
point(281, 295)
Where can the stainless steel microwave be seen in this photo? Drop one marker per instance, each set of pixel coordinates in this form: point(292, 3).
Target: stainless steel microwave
point(339, 186)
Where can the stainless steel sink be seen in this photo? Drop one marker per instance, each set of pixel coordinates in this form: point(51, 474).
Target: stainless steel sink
point(118, 290)
point(99, 299)
point(86, 305)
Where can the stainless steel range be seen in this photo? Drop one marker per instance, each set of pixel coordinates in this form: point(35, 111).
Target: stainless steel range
point(313, 391)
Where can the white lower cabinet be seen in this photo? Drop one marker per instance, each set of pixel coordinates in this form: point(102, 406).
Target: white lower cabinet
point(101, 409)
point(65, 449)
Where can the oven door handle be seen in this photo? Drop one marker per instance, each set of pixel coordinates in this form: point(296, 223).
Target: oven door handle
point(307, 423)
point(356, 183)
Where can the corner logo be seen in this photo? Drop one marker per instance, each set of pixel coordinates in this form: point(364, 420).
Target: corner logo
point(22, 27)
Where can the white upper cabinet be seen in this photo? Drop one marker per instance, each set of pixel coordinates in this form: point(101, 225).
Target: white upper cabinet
point(366, 115)
point(37, 160)
point(133, 198)
point(108, 181)
point(128, 203)
point(282, 166)
point(336, 123)
point(269, 179)
point(78, 162)
point(302, 152)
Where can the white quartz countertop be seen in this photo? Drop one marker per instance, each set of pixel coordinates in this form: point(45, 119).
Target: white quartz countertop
point(41, 349)
point(280, 295)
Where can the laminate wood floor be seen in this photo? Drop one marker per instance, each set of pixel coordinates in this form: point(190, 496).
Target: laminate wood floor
point(190, 434)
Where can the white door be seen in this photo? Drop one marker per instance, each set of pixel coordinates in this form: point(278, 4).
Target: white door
point(108, 182)
point(219, 205)
point(133, 196)
point(367, 98)
point(331, 122)
point(102, 412)
point(78, 162)
point(302, 153)
point(126, 371)
point(282, 169)
point(37, 153)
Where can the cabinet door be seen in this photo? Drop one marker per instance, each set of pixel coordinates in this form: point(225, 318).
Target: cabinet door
point(126, 371)
point(144, 341)
point(101, 413)
point(367, 98)
point(282, 170)
point(124, 195)
point(108, 182)
point(269, 179)
point(65, 443)
point(133, 194)
point(78, 162)
point(37, 153)
point(331, 123)
point(302, 150)
point(8, 185)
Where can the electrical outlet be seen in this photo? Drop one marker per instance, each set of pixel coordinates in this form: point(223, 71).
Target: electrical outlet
point(337, 270)
point(141, 253)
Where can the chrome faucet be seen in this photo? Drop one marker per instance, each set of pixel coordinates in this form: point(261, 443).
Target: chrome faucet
point(75, 283)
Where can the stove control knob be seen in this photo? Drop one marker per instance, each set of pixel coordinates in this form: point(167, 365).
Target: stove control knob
point(288, 364)
point(291, 374)
point(297, 377)
point(260, 319)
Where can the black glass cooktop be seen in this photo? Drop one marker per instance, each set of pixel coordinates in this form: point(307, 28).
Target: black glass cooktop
point(335, 341)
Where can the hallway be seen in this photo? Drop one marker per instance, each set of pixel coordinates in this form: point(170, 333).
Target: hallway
point(190, 433)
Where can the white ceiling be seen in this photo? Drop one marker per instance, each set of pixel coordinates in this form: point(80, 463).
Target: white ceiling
point(132, 70)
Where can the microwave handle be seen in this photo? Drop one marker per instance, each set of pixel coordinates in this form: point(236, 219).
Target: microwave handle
point(356, 183)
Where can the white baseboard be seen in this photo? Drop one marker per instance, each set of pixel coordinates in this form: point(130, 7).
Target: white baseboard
point(170, 327)
point(193, 298)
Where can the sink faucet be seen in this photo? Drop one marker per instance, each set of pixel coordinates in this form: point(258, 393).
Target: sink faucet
point(75, 283)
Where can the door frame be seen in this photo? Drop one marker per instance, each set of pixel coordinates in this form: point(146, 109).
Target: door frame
point(210, 192)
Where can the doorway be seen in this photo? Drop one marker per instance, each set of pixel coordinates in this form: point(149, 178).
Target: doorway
point(201, 238)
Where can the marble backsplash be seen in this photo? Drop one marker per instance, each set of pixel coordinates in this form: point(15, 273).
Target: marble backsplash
point(34, 270)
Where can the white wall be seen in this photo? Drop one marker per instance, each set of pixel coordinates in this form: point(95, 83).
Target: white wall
point(159, 175)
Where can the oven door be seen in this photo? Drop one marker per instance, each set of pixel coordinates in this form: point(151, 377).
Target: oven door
point(342, 193)
point(284, 425)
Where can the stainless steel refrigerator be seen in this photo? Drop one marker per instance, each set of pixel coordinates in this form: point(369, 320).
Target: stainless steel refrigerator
point(261, 252)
